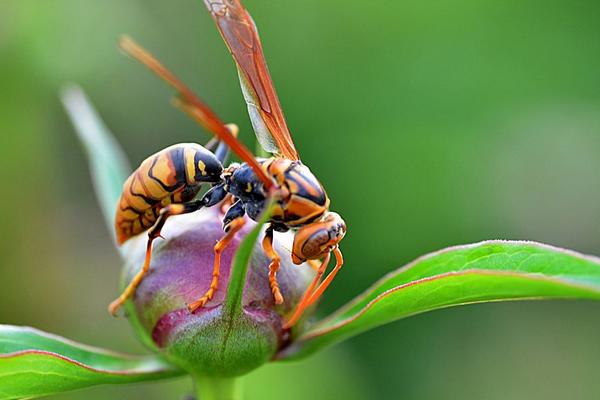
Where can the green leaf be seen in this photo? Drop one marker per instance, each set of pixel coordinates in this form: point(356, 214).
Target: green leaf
point(482, 272)
point(108, 163)
point(240, 263)
point(34, 363)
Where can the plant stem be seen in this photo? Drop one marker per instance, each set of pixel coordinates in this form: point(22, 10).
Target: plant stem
point(211, 388)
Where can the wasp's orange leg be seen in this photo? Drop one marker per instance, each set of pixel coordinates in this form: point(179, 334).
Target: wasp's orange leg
point(307, 294)
point(273, 266)
point(339, 259)
point(153, 233)
point(232, 228)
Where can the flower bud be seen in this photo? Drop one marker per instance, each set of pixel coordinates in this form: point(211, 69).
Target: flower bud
point(209, 342)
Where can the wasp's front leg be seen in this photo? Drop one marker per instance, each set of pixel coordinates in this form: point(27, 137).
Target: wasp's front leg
point(311, 295)
point(319, 291)
point(313, 242)
point(304, 302)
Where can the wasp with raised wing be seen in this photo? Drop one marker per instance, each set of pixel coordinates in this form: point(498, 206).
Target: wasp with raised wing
point(168, 182)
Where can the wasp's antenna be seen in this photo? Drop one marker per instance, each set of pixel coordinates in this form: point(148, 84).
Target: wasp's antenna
point(194, 107)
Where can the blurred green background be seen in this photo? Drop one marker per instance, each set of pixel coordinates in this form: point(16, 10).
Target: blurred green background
point(431, 123)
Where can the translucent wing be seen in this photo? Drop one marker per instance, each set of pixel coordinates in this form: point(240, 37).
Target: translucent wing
point(240, 35)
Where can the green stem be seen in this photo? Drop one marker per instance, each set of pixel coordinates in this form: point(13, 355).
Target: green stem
point(211, 388)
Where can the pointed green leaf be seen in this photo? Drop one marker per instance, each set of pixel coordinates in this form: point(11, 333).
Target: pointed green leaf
point(482, 272)
point(34, 363)
point(241, 261)
point(108, 163)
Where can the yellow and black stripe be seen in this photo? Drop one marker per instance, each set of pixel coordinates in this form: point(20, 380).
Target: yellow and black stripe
point(307, 200)
point(173, 175)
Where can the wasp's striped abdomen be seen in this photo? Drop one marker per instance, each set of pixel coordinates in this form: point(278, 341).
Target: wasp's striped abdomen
point(173, 175)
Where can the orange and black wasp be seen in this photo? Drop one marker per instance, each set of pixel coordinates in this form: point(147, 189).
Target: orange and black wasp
point(168, 182)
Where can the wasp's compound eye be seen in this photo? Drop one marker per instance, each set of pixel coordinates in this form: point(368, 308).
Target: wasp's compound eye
point(315, 240)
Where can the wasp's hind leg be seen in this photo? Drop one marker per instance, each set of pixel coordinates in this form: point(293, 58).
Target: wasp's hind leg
point(232, 223)
point(222, 151)
point(153, 233)
point(218, 147)
point(210, 198)
point(274, 265)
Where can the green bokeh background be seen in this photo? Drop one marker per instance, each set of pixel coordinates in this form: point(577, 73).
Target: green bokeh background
point(431, 123)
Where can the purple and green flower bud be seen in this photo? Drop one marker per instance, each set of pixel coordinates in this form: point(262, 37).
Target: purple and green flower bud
point(210, 341)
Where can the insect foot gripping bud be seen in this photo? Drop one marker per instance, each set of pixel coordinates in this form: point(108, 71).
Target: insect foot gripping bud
point(209, 342)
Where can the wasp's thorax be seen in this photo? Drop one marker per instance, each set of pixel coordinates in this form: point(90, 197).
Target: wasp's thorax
point(303, 205)
point(302, 199)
